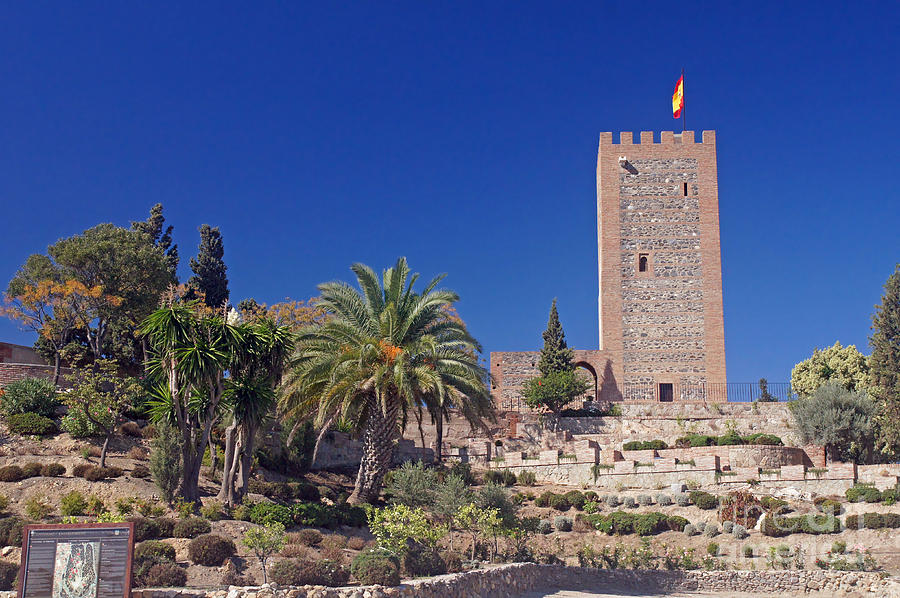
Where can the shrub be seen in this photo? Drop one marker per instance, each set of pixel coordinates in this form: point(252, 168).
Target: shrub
point(712, 549)
point(53, 470)
point(166, 527)
point(777, 527)
point(644, 445)
point(676, 523)
point(891, 520)
point(144, 529)
point(356, 543)
point(79, 470)
point(154, 549)
point(839, 547)
point(137, 453)
point(11, 531)
point(30, 424)
point(464, 471)
point(873, 521)
point(527, 478)
point(131, 429)
point(212, 511)
point(544, 526)
point(644, 500)
point(8, 574)
point(31, 470)
point(589, 496)
point(828, 505)
point(376, 567)
point(889, 496)
point(308, 514)
point(727, 526)
point(682, 499)
point(421, 560)
point(96, 474)
point(191, 527)
point(165, 461)
point(575, 498)
point(165, 575)
point(772, 504)
point(72, 503)
point(704, 500)
point(77, 424)
point(863, 493)
point(630, 502)
point(293, 572)
point(265, 513)
point(559, 502)
point(11, 473)
point(611, 500)
point(4, 503)
point(739, 532)
point(562, 523)
point(412, 484)
point(308, 537)
point(690, 530)
point(210, 550)
point(711, 530)
point(748, 552)
point(663, 500)
point(29, 395)
point(37, 507)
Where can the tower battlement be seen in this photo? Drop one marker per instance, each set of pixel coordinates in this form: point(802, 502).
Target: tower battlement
point(664, 138)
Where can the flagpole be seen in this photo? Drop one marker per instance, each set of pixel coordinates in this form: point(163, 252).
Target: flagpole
point(683, 105)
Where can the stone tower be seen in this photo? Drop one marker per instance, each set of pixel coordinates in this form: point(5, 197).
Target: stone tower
point(662, 334)
point(661, 321)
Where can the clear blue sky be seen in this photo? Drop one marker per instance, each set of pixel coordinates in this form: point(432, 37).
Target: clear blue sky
point(464, 136)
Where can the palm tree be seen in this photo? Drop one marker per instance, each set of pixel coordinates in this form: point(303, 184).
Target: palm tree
point(250, 396)
point(385, 351)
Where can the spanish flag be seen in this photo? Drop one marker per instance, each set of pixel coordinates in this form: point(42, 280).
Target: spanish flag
point(678, 98)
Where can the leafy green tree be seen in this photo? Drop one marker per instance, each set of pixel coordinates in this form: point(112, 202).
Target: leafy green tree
point(841, 420)
point(413, 485)
point(884, 364)
point(102, 395)
point(209, 268)
point(478, 521)
point(264, 541)
point(558, 384)
point(381, 351)
point(845, 365)
point(165, 460)
point(191, 351)
point(395, 525)
point(154, 227)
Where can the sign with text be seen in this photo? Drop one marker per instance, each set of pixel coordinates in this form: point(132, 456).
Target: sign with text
point(81, 560)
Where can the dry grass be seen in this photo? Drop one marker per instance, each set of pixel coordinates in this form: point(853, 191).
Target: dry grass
point(131, 429)
point(356, 543)
point(295, 551)
point(137, 453)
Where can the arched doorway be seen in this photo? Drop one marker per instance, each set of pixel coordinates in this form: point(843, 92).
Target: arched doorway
point(586, 370)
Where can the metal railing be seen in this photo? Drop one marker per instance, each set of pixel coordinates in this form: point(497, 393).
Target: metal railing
point(716, 392)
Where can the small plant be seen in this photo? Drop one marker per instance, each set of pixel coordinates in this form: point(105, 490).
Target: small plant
point(31, 470)
point(711, 530)
point(663, 500)
point(839, 547)
point(527, 478)
point(29, 395)
point(191, 527)
point(704, 500)
point(165, 575)
point(630, 502)
point(611, 500)
point(748, 552)
point(682, 499)
point(690, 530)
point(727, 526)
point(562, 523)
point(739, 532)
point(356, 543)
point(183, 508)
point(308, 537)
point(11, 473)
point(712, 549)
point(73, 504)
point(154, 549)
point(211, 550)
point(644, 500)
point(37, 507)
point(165, 461)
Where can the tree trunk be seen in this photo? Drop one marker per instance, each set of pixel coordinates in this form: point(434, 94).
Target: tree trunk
point(56, 368)
point(105, 448)
point(248, 435)
point(439, 439)
point(378, 451)
point(213, 458)
point(226, 492)
point(190, 484)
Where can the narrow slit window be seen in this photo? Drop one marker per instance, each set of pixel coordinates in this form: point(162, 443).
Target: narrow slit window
point(684, 189)
point(643, 262)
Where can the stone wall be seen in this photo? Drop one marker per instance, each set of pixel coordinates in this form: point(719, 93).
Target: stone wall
point(10, 372)
point(338, 450)
point(512, 581)
point(11, 353)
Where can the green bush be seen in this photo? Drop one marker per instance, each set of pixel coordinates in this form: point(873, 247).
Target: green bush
point(575, 498)
point(420, 561)
point(777, 527)
point(542, 500)
point(164, 575)
point(210, 550)
point(309, 515)
point(11, 473)
point(739, 532)
point(165, 461)
point(873, 521)
point(559, 502)
point(29, 395)
point(77, 424)
point(191, 527)
point(712, 549)
point(828, 505)
point(295, 572)
point(144, 528)
point(31, 470)
point(544, 526)
point(748, 552)
point(863, 493)
point(622, 523)
point(309, 537)
point(156, 549)
point(30, 424)
point(11, 531)
point(891, 520)
point(8, 574)
point(376, 567)
point(53, 470)
point(412, 484)
point(763, 439)
point(704, 500)
point(166, 527)
point(645, 445)
point(72, 504)
point(527, 478)
point(266, 513)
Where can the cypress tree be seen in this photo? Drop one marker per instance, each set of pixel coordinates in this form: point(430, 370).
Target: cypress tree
point(153, 226)
point(556, 356)
point(884, 365)
point(209, 268)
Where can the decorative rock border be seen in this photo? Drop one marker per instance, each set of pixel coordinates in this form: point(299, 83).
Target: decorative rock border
point(511, 581)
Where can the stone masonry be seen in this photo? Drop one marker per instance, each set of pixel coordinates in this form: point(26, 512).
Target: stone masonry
point(660, 299)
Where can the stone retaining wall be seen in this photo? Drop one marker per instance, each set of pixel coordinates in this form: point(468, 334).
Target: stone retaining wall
point(511, 581)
